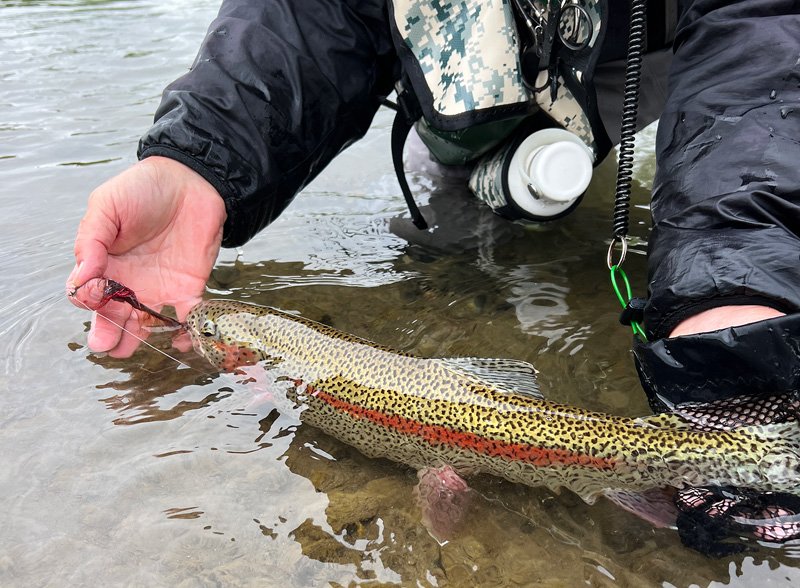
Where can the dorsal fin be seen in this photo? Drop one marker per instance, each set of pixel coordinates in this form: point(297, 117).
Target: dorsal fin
point(510, 376)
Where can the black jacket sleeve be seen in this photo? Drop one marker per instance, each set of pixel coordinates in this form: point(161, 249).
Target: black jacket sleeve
point(277, 90)
point(726, 196)
point(726, 205)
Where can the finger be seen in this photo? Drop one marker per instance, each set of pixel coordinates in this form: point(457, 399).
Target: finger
point(182, 341)
point(96, 234)
point(89, 295)
point(131, 338)
point(71, 286)
point(106, 330)
point(91, 261)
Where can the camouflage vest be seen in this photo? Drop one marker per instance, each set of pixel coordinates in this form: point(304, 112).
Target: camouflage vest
point(461, 59)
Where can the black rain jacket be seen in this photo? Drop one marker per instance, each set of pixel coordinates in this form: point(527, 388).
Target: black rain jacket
point(280, 87)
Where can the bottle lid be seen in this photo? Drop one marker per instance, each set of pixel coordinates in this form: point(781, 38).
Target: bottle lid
point(549, 171)
point(560, 171)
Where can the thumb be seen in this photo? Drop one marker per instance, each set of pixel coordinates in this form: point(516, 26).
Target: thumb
point(96, 234)
point(91, 261)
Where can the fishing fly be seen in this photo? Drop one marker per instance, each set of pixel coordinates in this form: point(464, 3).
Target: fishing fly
point(114, 291)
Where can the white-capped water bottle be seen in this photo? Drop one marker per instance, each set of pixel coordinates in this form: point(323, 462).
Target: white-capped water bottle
point(540, 178)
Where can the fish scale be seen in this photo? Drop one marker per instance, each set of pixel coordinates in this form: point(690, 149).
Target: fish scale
point(486, 416)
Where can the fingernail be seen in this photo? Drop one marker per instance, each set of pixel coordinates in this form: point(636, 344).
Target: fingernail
point(74, 277)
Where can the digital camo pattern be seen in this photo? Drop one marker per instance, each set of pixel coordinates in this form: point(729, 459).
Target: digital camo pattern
point(567, 112)
point(430, 412)
point(565, 109)
point(467, 51)
point(486, 179)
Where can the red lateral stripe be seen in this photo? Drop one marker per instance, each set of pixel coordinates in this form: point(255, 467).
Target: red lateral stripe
point(438, 435)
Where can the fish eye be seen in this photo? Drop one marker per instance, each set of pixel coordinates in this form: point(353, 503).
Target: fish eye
point(209, 329)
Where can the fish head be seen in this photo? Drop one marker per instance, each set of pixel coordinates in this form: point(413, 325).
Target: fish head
point(781, 468)
point(224, 332)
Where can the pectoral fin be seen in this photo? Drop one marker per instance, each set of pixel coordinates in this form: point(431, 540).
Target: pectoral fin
point(655, 506)
point(444, 498)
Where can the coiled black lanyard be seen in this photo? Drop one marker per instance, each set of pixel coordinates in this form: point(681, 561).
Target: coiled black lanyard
point(630, 111)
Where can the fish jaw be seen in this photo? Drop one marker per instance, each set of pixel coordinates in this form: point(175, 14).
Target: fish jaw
point(206, 339)
point(781, 467)
point(202, 343)
point(224, 351)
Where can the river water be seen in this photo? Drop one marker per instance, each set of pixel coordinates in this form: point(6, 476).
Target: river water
point(150, 472)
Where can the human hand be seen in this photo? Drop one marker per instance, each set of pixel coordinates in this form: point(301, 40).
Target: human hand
point(156, 227)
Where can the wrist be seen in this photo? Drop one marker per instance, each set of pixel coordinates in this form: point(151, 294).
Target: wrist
point(723, 317)
point(178, 174)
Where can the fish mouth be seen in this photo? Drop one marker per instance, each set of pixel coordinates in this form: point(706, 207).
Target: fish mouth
point(197, 345)
point(194, 319)
point(781, 468)
point(192, 326)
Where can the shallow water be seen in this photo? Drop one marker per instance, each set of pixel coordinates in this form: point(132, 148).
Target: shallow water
point(147, 472)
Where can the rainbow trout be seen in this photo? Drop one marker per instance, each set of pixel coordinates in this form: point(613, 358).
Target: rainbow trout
point(482, 415)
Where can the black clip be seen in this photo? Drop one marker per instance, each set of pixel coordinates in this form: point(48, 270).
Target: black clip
point(633, 311)
point(538, 50)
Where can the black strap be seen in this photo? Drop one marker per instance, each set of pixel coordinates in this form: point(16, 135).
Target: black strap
point(408, 111)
